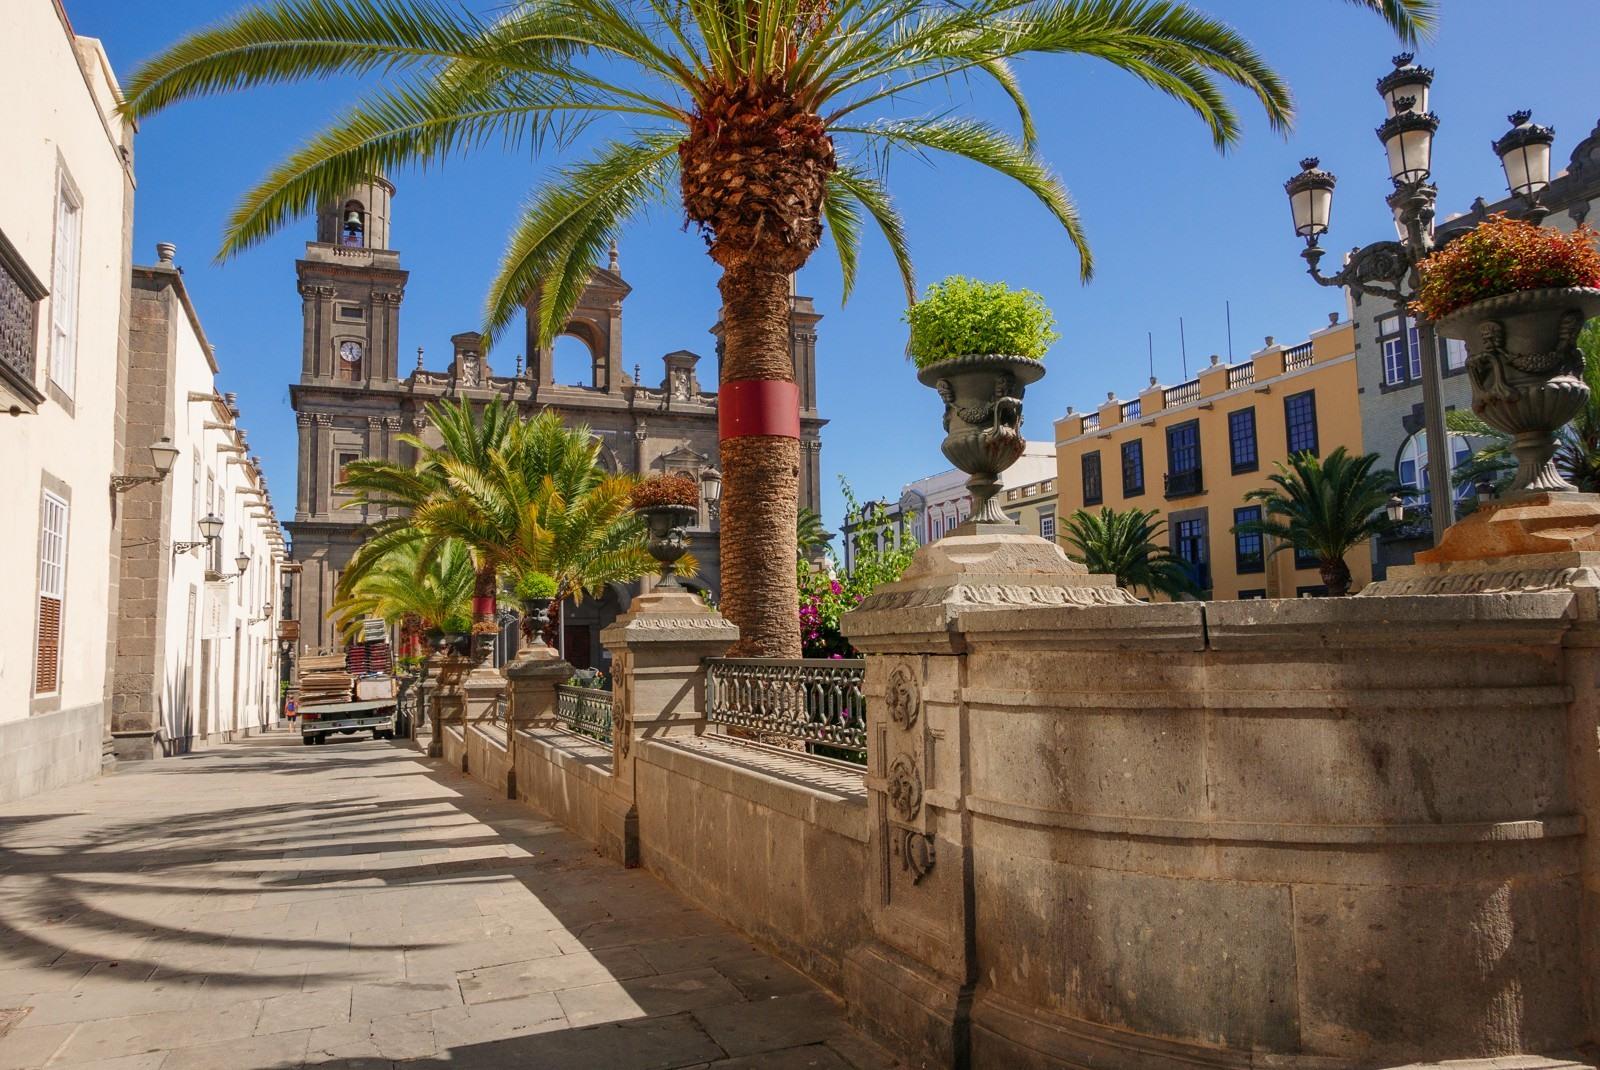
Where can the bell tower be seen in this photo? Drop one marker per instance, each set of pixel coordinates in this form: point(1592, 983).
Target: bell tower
point(351, 285)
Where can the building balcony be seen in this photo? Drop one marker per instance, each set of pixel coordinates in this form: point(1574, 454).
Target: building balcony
point(1184, 484)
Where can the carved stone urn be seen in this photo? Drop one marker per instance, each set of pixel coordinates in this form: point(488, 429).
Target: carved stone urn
point(535, 616)
point(1527, 372)
point(667, 539)
point(983, 421)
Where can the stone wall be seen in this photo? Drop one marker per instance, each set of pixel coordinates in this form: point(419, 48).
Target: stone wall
point(50, 750)
point(1315, 833)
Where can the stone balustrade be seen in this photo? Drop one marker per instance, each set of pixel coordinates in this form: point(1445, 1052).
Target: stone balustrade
point(1317, 833)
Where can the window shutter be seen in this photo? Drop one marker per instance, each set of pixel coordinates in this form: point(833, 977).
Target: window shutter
point(46, 679)
point(64, 301)
point(52, 593)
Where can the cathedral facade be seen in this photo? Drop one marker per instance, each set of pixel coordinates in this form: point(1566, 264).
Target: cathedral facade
point(355, 401)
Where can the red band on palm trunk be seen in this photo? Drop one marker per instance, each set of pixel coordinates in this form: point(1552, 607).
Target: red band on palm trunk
point(483, 605)
point(748, 407)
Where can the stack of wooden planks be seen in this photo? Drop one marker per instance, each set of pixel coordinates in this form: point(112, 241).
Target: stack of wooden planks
point(324, 680)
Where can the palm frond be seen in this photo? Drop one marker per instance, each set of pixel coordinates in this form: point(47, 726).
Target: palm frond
point(983, 144)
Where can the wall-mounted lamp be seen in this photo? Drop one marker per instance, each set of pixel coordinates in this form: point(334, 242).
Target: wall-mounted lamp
point(266, 614)
point(210, 527)
point(163, 454)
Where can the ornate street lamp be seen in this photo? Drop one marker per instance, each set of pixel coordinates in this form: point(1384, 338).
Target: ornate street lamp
point(1388, 269)
point(242, 560)
point(711, 488)
point(210, 527)
point(1524, 152)
point(163, 454)
point(1396, 509)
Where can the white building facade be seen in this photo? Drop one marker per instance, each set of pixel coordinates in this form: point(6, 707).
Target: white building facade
point(66, 203)
point(930, 507)
point(202, 550)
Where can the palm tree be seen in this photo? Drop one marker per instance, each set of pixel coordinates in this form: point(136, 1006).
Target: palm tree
point(770, 117)
point(521, 495)
point(1325, 508)
point(403, 587)
point(1577, 444)
point(1123, 544)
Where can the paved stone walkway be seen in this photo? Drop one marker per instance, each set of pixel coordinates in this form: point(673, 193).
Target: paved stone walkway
point(268, 905)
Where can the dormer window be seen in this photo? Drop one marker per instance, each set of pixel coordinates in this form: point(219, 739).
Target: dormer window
point(354, 230)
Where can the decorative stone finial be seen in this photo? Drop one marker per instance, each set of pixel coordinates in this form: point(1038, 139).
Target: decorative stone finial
point(614, 263)
point(1215, 360)
point(419, 358)
point(165, 251)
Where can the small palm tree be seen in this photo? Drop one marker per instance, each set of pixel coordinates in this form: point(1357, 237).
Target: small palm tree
point(810, 534)
point(1325, 508)
point(1577, 444)
point(403, 587)
point(762, 120)
point(1123, 544)
point(520, 495)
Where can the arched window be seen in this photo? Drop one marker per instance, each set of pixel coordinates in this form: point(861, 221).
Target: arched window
point(353, 225)
point(1412, 468)
point(572, 362)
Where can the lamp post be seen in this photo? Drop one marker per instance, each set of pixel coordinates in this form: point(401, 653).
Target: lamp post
point(1389, 269)
point(163, 454)
point(210, 527)
point(711, 488)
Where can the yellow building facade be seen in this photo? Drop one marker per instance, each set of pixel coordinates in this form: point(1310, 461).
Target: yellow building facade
point(1192, 452)
point(1033, 505)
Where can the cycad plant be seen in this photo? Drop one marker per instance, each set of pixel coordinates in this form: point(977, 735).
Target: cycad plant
point(1324, 508)
point(521, 495)
point(762, 120)
point(1123, 543)
point(404, 587)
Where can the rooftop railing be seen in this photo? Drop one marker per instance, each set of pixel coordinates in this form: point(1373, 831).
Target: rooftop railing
point(818, 702)
point(1297, 358)
point(1181, 394)
point(585, 711)
point(1091, 423)
point(1242, 375)
point(1130, 410)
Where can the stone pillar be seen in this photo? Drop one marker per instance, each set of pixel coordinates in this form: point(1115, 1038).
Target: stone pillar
point(534, 675)
point(913, 980)
point(658, 651)
point(448, 699)
point(482, 687)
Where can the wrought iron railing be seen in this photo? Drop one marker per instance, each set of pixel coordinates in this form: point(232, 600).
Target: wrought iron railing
point(1242, 375)
point(585, 711)
point(1297, 358)
point(817, 701)
point(1181, 394)
point(1184, 484)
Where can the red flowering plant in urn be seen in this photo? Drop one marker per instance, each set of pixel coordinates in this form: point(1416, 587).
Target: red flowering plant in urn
point(668, 504)
point(1518, 295)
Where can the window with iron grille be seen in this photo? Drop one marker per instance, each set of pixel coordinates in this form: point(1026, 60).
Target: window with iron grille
point(1047, 526)
point(1300, 418)
point(1189, 544)
point(1249, 550)
point(1092, 494)
point(20, 294)
point(1133, 468)
point(52, 593)
point(1242, 440)
point(64, 302)
point(1183, 459)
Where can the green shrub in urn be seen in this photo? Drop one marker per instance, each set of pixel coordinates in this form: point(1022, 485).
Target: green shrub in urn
point(1518, 295)
point(979, 345)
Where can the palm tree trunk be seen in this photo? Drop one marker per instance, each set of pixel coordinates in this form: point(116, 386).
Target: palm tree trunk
point(760, 472)
point(1336, 577)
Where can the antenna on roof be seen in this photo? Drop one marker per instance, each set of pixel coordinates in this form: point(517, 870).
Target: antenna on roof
point(1183, 347)
point(1227, 310)
point(1150, 346)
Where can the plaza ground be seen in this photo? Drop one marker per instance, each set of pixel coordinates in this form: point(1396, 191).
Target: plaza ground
point(266, 905)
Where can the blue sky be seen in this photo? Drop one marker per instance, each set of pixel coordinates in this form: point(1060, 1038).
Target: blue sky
point(1177, 229)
